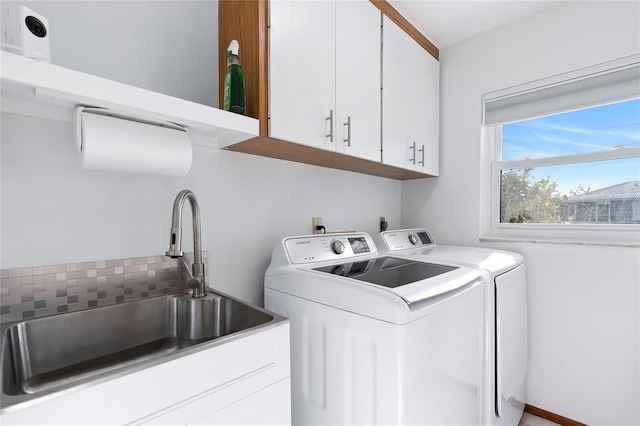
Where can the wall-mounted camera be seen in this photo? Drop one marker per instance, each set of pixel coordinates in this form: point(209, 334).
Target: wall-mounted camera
point(25, 32)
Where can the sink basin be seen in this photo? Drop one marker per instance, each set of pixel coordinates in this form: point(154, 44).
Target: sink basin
point(46, 355)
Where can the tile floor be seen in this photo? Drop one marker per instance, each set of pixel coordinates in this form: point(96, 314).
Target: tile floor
point(531, 420)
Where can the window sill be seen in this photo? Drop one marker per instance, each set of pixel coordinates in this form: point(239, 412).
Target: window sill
point(561, 242)
point(603, 235)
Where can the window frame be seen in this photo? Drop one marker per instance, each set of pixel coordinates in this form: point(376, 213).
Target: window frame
point(491, 229)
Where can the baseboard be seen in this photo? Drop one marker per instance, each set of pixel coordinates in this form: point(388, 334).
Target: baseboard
point(556, 418)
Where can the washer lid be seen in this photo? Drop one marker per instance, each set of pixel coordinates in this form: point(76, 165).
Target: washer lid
point(410, 279)
point(387, 271)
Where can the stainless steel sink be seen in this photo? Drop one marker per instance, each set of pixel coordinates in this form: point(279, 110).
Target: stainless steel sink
point(48, 355)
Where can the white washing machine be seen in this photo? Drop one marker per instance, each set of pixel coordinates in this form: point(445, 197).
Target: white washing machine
point(505, 337)
point(377, 339)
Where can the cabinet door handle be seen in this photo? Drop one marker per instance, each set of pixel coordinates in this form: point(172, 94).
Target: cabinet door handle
point(413, 158)
point(422, 151)
point(348, 124)
point(330, 120)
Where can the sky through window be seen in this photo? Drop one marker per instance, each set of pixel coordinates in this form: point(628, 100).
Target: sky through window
point(583, 131)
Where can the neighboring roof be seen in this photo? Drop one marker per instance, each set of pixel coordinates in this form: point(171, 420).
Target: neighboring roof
point(622, 191)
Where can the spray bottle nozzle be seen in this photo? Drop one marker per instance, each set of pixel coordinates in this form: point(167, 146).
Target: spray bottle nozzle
point(234, 47)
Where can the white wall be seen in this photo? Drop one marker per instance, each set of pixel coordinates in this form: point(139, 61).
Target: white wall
point(584, 302)
point(52, 212)
point(169, 47)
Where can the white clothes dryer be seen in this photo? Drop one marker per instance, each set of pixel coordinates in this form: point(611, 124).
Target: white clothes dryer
point(377, 340)
point(505, 324)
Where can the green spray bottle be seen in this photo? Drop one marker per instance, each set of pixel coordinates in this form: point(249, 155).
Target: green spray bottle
point(234, 99)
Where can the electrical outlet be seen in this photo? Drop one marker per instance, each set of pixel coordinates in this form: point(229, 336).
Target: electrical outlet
point(316, 225)
point(383, 224)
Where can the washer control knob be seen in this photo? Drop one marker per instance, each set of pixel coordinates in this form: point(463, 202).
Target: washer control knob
point(413, 239)
point(337, 246)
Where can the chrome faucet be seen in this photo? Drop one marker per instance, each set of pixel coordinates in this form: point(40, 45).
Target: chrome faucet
point(196, 273)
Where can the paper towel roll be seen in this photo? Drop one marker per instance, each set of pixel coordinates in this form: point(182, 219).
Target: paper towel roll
point(120, 145)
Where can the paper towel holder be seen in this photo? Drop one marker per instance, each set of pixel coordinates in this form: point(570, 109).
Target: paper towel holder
point(124, 143)
point(111, 113)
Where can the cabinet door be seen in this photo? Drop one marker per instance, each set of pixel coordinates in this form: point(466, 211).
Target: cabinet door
point(410, 102)
point(270, 406)
point(302, 71)
point(358, 79)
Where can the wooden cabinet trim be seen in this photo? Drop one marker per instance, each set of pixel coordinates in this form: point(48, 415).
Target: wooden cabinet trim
point(246, 21)
point(407, 27)
point(279, 149)
point(263, 66)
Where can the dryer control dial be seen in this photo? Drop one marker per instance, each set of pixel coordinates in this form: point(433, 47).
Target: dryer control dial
point(337, 246)
point(413, 239)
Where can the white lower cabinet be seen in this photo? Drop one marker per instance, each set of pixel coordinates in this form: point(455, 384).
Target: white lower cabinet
point(272, 409)
point(243, 381)
point(410, 102)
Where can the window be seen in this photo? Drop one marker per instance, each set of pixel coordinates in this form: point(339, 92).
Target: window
point(563, 158)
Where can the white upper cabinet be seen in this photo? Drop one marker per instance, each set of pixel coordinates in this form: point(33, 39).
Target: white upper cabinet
point(358, 79)
point(410, 102)
point(324, 75)
point(302, 71)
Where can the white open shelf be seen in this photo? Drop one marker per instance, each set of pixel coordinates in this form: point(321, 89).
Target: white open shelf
point(40, 89)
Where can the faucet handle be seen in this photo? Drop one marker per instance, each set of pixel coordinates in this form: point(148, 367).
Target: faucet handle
point(197, 283)
point(193, 284)
point(195, 278)
point(197, 270)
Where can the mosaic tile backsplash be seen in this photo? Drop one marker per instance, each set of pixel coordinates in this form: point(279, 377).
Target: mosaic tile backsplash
point(35, 292)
